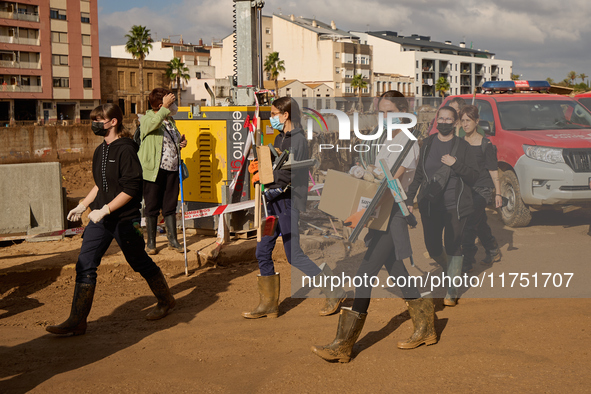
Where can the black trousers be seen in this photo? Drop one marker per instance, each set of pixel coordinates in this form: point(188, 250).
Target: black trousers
point(439, 223)
point(96, 240)
point(477, 226)
point(380, 252)
point(162, 194)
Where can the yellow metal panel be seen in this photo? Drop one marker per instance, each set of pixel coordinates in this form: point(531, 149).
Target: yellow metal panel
point(206, 159)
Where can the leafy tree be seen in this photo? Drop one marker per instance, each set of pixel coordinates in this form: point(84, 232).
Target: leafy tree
point(177, 70)
point(139, 44)
point(572, 76)
point(550, 81)
point(273, 66)
point(442, 86)
point(514, 77)
point(358, 83)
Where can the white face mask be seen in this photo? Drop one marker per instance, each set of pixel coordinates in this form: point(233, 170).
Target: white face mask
point(173, 109)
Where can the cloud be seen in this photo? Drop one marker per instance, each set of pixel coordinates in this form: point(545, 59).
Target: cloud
point(542, 37)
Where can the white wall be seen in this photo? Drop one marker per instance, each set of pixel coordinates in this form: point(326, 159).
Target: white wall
point(223, 58)
point(156, 53)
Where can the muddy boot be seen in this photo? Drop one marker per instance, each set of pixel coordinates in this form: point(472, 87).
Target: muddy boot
point(422, 313)
point(454, 269)
point(441, 260)
point(151, 224)
point(334, 297)
point(76, 323)
point(268, 287)
point(348, 330)
point(493, 255)
point(173, 243)
point(160, 289)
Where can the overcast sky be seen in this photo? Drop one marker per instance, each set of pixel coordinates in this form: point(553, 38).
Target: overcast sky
point(543, 38)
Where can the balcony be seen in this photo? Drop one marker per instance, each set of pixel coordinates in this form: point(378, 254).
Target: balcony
point(13, 64)
point(495, 73)
point(19, 40)
point(20, 16)
point(20, 89)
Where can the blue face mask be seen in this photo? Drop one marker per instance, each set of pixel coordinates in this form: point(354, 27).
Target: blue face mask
point(394, 121)
point(276, 124)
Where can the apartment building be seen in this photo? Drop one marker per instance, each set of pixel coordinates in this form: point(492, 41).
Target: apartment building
point(49, 67)
point(466, 69)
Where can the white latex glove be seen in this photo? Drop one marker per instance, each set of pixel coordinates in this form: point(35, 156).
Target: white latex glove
point(98, 214)
point(75, 214)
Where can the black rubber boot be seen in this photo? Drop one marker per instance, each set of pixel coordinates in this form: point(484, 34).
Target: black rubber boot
point(151, 225)
point(422, 313)
point(173, 243)
point(350, 326)
point(81, 304)
point(268, 287)
point(166, 301)
point(334, 297)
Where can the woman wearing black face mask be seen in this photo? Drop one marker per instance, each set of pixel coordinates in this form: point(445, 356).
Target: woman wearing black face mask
point(115, 201)
point(160, 154)
point(446, 171)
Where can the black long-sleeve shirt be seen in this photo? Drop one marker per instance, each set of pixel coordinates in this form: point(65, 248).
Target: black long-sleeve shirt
point(115, 169)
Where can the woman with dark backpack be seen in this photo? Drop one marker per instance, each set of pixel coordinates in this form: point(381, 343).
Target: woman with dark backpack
point(486, 190)
point(446, 171)
point(115, 201)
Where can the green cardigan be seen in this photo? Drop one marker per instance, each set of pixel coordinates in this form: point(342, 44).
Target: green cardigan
point(152, 133)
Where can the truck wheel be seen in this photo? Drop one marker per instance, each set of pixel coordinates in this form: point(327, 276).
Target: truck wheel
point(516, 213)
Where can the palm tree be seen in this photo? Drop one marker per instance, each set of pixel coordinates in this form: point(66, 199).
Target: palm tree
point(358, 83)
point(178, 71)
point(572, 76)
point(139, 44)
point(583, 76)
point(442, 86)
point(274, 66)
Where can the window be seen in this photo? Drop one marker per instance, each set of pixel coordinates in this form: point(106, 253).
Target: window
point(85, 39)
point(57, 14)
point(337, 85)
point(150, 81)
point(47, 105)
point(268, 30)
point(268, 45)
point(337, 55)
point(85, 17)
point(121, 80)
point(198, 75)
point(417, 64)
point(132, 79)
point(57, 36)
point(86, 61)
point(87, 83)
point(337, 70)
point(304, 93)
point(61, 82)
point(59, 60)
point(456, 66)
point(288, 92)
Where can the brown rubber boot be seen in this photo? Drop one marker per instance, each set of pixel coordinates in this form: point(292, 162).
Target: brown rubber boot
point(268, 287)
point(81, 304)
point(334, 297)
point(350, 326)
point(422, 313)
point(166, 301)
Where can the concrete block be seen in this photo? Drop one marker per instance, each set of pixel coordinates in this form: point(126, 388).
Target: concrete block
point(31, 198)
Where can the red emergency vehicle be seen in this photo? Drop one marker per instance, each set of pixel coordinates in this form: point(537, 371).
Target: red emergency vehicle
point(544, 146)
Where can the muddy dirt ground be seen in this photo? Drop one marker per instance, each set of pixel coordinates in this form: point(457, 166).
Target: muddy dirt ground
point(204, 345)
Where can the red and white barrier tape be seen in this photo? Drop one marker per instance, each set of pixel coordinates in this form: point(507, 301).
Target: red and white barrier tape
point(70, 231)
point(213, 211)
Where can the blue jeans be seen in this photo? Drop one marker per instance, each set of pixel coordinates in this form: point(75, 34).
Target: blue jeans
point(96, 240)
point(288, 228)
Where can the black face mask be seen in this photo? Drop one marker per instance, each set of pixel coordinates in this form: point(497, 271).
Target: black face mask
point(98, 128)
point(445, 129)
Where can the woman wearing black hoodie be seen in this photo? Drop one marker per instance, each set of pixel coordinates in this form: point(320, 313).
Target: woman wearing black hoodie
point(115, 202)
point(446, 171)
point(286, 198)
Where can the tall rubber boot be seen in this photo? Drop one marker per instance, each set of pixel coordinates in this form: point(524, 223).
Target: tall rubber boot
point(441, 260)
point(81, 304)
point(348, 330)
point(166, 301)
point(151, 225)
point(334, 297)
point(422, 313)
point(268, 287)
point(173, 243)
point(454, 269)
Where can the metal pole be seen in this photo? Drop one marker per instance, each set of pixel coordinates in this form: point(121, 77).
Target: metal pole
point(183, 218)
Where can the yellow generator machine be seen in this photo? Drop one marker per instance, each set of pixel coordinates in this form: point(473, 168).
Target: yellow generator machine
point(216, 141)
